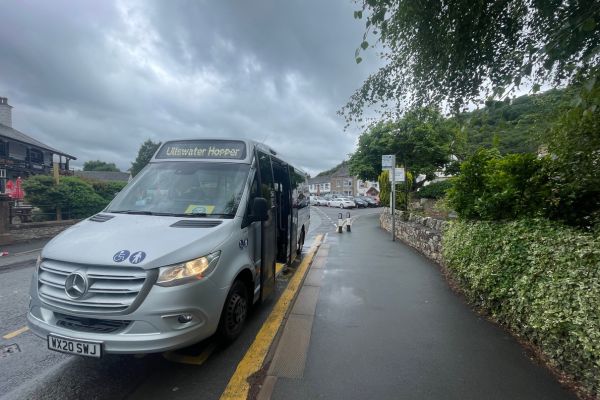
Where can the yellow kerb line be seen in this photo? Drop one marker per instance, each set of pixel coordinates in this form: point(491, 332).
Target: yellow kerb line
point(238, 386)
point(15, 333)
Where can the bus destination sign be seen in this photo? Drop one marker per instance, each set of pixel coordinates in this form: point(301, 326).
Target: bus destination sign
point(204, 149)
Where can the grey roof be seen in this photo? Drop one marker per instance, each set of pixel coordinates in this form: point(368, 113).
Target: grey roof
point(319, 179)
point(342, 171)
point(14, 134)
point(104, 175)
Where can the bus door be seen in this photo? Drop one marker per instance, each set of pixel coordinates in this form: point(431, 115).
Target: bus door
point(268, 227)
point(281, 177)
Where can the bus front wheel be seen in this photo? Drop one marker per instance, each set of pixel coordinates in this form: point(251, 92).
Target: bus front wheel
point(235, 312)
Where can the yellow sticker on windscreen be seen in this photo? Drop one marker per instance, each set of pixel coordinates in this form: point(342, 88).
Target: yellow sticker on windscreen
point(199, 209)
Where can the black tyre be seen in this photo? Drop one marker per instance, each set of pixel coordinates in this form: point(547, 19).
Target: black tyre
point(235, 312)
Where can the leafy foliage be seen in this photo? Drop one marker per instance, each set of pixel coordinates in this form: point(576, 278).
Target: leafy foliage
point(574, 147)
point(539, 278)
point(435, 190)
point(495, 187)
point(97, 165)
point(107, 190)
point(422, 140)
point(458, 51)
point(145, 153)
point(518, 125)
point(385, 190)
point(74, 196)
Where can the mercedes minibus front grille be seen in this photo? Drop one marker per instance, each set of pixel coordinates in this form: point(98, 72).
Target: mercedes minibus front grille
point(108, 289)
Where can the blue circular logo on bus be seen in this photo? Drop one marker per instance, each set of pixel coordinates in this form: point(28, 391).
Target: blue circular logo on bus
point(137, 257)
point(121, 256)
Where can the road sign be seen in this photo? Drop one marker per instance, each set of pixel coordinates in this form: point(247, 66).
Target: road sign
point(399, 172)
point(388, 161)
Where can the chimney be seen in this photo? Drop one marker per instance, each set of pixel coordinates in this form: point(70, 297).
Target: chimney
point(5, 112)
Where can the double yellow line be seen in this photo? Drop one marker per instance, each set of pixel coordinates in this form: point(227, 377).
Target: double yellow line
point(238, 386)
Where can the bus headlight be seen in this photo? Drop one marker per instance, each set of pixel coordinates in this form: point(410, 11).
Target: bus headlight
point(192, 270)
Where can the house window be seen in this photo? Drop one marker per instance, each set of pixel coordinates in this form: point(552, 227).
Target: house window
point(3, 149)
point(36, 156)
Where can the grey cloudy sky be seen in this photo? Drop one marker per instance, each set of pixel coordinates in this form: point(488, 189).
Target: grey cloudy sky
point(97, 78)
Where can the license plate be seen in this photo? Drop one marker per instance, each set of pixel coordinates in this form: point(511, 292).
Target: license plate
point(78, 347)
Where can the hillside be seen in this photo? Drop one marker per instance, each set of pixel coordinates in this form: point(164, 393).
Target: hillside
point(516, 125)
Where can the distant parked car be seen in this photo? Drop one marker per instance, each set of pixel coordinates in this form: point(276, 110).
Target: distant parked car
point(321, 201)
point(341, 203)
point(371, 202)
point(360, 203)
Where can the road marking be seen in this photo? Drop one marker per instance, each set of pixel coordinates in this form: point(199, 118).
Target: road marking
point(238, 386)
point(193, 360)
point(15, 333)
point(26, 252)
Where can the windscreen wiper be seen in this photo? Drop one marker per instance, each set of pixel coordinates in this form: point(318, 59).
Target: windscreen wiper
point(164, 214)
point(136, 212)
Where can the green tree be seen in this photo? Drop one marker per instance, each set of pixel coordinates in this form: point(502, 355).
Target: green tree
point(459, 51)
point(574, 148)
point(423, 140)
point(97, 165)
point(145, 153)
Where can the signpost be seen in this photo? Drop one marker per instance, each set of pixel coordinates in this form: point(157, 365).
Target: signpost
point(388, 161)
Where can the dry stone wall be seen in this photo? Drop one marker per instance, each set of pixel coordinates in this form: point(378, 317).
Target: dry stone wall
point(422, 233)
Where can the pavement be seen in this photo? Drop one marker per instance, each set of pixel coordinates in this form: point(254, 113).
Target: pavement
point(375, 319)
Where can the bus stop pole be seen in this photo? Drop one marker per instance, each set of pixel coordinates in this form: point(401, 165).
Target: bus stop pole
point(394, 198)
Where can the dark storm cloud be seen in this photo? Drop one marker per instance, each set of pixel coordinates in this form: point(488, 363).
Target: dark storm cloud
point(95, 79)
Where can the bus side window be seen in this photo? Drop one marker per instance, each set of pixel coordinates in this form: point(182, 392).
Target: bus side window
point(254, 193)
point(266, 176)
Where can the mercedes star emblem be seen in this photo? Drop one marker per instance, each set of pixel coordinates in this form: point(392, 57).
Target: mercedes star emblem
point(76, 285)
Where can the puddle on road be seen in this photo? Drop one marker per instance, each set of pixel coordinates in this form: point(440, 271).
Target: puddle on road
point(345, 296)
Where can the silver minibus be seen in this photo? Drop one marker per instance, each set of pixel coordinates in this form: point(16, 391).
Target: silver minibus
point(181, 253)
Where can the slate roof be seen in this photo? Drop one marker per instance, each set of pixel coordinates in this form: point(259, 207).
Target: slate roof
point(104, 175)
point(319, 179)
point(18, 136)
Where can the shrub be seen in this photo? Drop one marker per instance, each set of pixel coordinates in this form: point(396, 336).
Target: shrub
point(574, 145)
point(75, 197)
point(495, 187)
point(539, 278)
point(107, 190)
point(435, 190)
point(385, 192)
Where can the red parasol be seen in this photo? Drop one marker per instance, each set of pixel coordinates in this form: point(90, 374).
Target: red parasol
point(19, 193)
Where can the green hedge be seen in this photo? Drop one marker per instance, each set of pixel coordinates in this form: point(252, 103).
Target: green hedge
point(77, 198)
point(435, 190)
point(539, 278)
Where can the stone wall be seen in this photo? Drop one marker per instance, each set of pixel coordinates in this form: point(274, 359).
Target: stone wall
point(422, 233)
point(40, 230)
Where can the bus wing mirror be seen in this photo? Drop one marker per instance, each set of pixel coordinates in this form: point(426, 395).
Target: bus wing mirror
point(260, 209)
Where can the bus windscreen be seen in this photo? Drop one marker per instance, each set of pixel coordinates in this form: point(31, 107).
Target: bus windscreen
point(203, 150)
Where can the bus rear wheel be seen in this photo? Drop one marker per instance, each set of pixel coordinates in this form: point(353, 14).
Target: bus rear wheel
point(234, 313)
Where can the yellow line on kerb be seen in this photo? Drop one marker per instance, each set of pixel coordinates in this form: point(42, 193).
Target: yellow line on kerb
point(15, 333)
point(238, 386)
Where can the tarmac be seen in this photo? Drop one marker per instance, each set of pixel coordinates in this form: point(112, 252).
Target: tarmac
point(376, 320)
point(20, 253)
